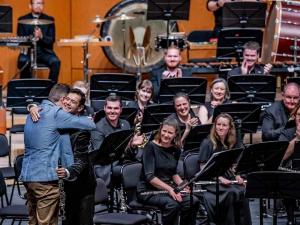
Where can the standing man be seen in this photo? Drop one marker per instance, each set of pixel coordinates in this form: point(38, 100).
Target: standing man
point(171, 69)
point(250, 59)
point(45, 147)
point(79, 180)
point(277, 115)
point(44, 35)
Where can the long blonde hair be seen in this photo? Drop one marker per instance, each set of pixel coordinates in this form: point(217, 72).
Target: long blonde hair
point(173, 123)
point(230, 139)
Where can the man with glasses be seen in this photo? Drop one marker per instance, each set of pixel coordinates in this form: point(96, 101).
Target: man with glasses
point(44, 34)
point(279, 113)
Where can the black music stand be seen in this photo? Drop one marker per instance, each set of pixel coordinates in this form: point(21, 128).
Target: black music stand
point(6, 19)
point(120, 84)
point(168, 10)
point(194, 87)
point(128, 114)
point(252, 88)
point(195, 137)
point(244, 15)
point(231, 42)
point(24, 91)
point(245, 115)
point(274, 185)
point(216, 166)
point(111, 150)
point(154, 116)
point(266, 156)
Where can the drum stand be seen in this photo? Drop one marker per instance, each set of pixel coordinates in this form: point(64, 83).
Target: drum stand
point(33, 58)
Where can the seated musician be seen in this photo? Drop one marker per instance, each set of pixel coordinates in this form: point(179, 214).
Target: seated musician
point(160, 160)
point(276, 116)
point(84, 87)
point(171, 69)
point(219, 94)
point(250, 58)
point(45, 36)
point(292, 135)
point(223, 138)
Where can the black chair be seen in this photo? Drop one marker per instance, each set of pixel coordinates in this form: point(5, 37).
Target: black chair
point(18, 168)
point(130, 177)
point(8, 172)
point(101, 195)
point(12, 212)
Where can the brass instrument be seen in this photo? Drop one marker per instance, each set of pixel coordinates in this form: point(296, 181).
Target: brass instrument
point(138, 129)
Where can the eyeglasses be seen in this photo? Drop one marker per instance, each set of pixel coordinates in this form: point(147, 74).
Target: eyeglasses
point(37, 3)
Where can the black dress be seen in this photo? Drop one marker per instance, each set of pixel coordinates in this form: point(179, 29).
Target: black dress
point(160, 162)
point(234, 208)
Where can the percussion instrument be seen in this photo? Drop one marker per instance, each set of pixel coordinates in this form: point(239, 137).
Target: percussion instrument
point(123, 16)
point(16, 41)
point(282, 32)
point(143, 34)
point(175, 39)
point(98, 20)
point(35, 22)
point(82, 42)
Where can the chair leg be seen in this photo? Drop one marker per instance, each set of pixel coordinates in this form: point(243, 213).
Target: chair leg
point(12, 192)
point(1, 221)
point(13, 222)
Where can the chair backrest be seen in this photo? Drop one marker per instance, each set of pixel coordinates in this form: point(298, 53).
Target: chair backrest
point(131, 175)
point(18, 165)
point(200, 36)
point(4, 147)
point(191, 165)
point(101, 192)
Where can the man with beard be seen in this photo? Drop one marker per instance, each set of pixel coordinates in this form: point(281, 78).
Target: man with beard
point(45, 148)
point(79, 178)
point(171, 69)
point(278, 114)
point(250, 59)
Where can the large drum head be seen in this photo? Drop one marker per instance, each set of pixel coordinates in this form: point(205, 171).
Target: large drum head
point(137, 27)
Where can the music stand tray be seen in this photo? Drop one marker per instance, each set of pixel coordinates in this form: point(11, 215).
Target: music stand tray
point(252, 88)
point(128, 114)
point(6, 15)
point(154, 116)
point(24, 91)
point(194, 87)
point(231, 42)
point(104, 84)
point(244, 14)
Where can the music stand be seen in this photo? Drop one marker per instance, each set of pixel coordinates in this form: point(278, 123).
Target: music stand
point(274, 185)
point(252, 88)
point(195, 137)
point(168, 10)
point(128, 114)
point(231, 42)
point(244, 15)
point(24, 91)
point(245, 115)
point(6, 19)
point(111, 150)
point(154, 116)
point(216, 166)
point(194, 87)
point(266, 156)
point(120, 84)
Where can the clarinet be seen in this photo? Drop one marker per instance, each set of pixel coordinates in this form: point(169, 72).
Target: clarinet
point(166, 192)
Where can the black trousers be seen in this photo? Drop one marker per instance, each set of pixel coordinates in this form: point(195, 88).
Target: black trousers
point(50, 60)
point(171, 209)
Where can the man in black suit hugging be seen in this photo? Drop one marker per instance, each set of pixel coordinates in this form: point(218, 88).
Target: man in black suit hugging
point(45, 37)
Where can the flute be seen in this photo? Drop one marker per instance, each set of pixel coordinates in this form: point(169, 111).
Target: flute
point(166, 192)
point(214, 182)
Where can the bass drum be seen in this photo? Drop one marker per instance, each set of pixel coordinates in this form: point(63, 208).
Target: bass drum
point(282, 29)
point(137, 26)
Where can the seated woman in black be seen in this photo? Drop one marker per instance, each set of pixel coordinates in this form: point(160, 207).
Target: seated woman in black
point(223, 138)
point(160, 160)
point(184, 115)
point(219, 94)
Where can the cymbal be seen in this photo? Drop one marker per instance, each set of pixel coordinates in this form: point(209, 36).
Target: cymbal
point(98, 20)
point(122, 16)
point(35, 22)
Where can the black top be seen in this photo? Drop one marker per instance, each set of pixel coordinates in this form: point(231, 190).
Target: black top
point(180, 123)
point(103, 129)
point(210, 108)
point(158, 162)
point(218, 18)
point(206, 150)
point(258, 69)
point(44, 44)
point(275, 118)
